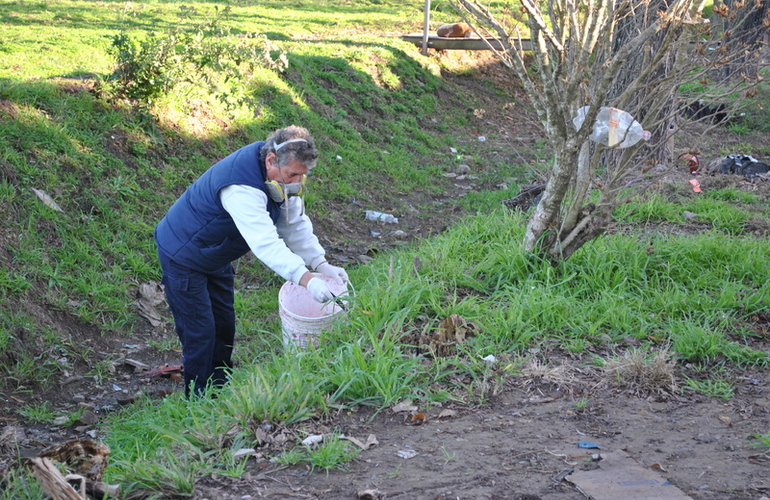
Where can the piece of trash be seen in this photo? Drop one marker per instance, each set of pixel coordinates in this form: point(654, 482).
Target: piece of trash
point(588, 444)
point(482, 138)
point(620, 476)
point(339, 157)
point(659, 467)
point(614, 127)
point(745, 165)
point(406, 454)
point(151, 296)
point(374, 234)
point(559, 476)
point(452, 150)
point(138, 366)
point(380, 216)
point(370, 441)
point(692, 161)
point(47, 200)
point(244, 452)
point(418, 419)
point(538, 399)
point(312, 439)
point(405, 405)
point(168, 371)
point(489, 359)
point(695, 185)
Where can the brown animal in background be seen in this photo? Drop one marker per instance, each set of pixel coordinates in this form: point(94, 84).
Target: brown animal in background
point(455, 30)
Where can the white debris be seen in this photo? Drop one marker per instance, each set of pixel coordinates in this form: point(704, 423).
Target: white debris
point(313, 439)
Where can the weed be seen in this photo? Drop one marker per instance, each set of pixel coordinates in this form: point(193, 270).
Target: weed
point(40, 413)
point(644, 372)
point(332, 453)
point(293, 456)
point(101, 370)
point(764, 440)
point(20, 484)
point(711, 388)
point(448, 456)
point(581, 403)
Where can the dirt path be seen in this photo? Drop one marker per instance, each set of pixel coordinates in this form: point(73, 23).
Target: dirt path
point(525, 443)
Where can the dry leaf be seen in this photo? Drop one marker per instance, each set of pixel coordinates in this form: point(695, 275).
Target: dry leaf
point(405, 405)
point(453, 331)
point(151, 295)
point(370, 441)
point(447, 414)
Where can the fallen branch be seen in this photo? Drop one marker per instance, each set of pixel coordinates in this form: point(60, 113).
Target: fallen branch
point(53, 482)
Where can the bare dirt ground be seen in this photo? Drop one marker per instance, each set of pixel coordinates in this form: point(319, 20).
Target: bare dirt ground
point(522, 443)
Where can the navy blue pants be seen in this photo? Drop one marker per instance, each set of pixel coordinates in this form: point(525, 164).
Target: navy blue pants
point(204, 316)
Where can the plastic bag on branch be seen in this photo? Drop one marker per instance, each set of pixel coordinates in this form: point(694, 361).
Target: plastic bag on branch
point(614, 127)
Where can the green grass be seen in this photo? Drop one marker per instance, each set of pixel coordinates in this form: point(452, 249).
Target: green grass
point(612, 289)
point(40, 413)
point(114, 167)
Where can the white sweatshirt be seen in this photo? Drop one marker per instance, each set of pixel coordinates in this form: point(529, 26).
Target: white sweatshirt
point(287, 246)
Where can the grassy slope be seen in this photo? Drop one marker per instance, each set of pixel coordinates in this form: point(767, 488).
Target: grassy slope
point(114, 168)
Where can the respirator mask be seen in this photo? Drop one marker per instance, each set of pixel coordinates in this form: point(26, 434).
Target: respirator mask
point(278, 191)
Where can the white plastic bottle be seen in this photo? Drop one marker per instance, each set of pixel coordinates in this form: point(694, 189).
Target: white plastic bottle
point(372, 215)
point(614, 127)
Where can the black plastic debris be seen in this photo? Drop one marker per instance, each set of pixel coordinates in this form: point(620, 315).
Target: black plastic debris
point(743, 165)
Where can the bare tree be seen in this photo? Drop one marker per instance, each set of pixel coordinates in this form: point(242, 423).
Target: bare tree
point(627, 54)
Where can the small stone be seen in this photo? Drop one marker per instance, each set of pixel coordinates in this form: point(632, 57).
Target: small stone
point(462, 169)
point(689, 215)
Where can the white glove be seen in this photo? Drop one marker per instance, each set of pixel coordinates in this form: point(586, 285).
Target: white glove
point(336, 273)
point(319, 290)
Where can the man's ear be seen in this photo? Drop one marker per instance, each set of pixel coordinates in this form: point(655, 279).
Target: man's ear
point(270, 159)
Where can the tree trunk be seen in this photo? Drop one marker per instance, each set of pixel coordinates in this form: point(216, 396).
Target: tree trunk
point(662, 151)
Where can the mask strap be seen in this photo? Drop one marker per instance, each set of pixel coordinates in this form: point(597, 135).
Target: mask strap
point(279, 146)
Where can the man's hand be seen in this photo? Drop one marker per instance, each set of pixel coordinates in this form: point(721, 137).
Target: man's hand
point(336, 273)
point(319, 290)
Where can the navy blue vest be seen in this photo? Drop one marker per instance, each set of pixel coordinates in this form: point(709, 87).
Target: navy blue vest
point(197, 232)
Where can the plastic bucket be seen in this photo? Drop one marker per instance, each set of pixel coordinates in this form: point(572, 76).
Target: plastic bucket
point(302, 318)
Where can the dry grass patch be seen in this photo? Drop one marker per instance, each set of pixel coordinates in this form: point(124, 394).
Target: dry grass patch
point(642, 373)
point(563, 376)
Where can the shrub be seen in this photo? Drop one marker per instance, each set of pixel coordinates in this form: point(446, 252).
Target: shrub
point(210, 54)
